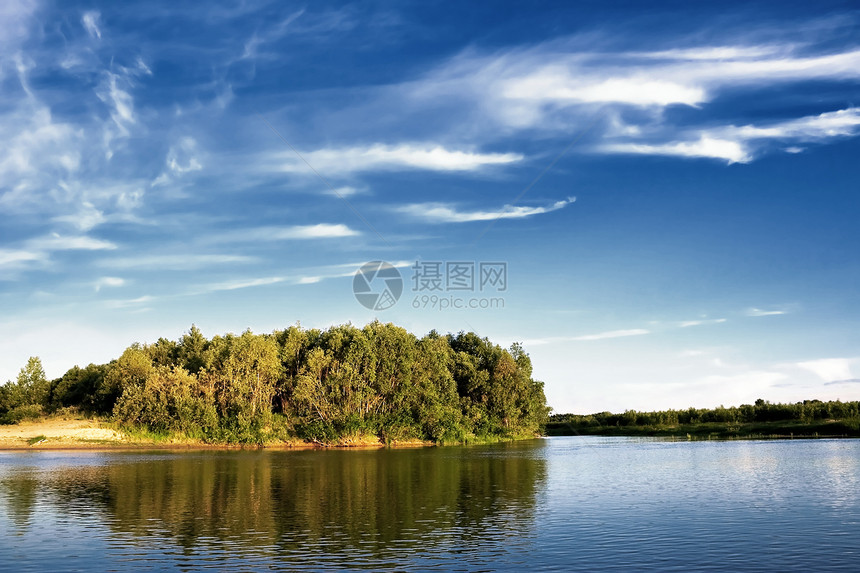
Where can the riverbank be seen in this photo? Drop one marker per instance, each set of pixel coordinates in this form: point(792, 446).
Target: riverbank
point(93, 433)
point(64, 433)
point(714, 430)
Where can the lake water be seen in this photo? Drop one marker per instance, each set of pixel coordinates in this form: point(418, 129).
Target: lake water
point(567, 504)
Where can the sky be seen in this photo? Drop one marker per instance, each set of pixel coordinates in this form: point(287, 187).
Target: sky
point(658, 200)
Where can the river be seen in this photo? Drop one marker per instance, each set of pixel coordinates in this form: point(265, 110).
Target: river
point(566, 504)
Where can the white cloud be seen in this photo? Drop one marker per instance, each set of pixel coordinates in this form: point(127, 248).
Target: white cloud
point(38, 250)
point(240, 284)
point(829, 369)
point(704, 147)
point(446, 213)
point(142, 67)
point(108, 282)
point(296, 232)
point(762, 312)
point(299, 277)
point(737, 144)
point(718, 53)
point(380, 157)
point(181, 159)
point(173, 262)
point(558, 85)
point(587, 337)
point(90, 21)
point(318, 231)
point(127, 303)
point(10, 257)
point(844, 122)
point(36, 151)
point(535, 87)
point(55, 242)
point(121, 104)
point(87, 218)
point(614, 334)
point(689, 323)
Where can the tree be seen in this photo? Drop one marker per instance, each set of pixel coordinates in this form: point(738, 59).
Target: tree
point(29, 396)
point(191, 353)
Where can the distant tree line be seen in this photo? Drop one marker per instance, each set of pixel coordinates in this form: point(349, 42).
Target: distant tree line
point(807, 411)
point(314, 384)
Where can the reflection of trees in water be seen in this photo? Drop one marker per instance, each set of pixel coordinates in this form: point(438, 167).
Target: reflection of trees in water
point(20, 492)
point(307, 504)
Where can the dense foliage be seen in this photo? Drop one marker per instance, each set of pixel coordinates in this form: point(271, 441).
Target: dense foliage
point(321, 385)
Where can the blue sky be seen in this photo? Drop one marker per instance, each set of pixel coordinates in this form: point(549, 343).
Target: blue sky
point(673, 189)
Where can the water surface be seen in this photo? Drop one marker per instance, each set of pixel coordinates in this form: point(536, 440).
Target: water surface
point(567, 503)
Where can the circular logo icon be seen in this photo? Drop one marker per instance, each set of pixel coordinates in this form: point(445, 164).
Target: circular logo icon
point(377, 285)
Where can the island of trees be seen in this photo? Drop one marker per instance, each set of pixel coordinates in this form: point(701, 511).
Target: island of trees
point(343, 384)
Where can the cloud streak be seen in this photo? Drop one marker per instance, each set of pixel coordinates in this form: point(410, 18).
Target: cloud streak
point(756, 312)
point(174, 262)
point(381, 157)
point(296, 232)
point(739, 144)
point(447, 213)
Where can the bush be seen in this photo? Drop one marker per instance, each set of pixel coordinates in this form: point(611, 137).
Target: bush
point(21, 414)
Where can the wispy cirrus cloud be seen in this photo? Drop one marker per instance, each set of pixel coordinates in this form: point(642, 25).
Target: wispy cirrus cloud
point(606, 335)
point(55, 242)
point(135, 303)
point(90, 21)
point(447, 213)
point(174, 262)
point(15, 257)
point(286, 233)
point(239, 284)
point(182, 158)
point(613, 334)
point(755, 312)
point(530, 87)
point(38, 251)
point(701, 322)
point(303, 276)
point(704, 147)
point(55, 163)
point(840, 123)
point(740, 144)
point(381, 157)
point(103, 282)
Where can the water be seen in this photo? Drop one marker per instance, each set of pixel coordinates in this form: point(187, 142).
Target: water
point(567, 504)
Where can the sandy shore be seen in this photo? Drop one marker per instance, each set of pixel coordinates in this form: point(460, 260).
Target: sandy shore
point(60, 433)
point(63, 434)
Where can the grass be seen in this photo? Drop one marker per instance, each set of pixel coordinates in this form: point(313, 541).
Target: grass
point(36, 440)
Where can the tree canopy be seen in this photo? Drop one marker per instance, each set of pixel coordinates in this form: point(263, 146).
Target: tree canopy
point(321, 385)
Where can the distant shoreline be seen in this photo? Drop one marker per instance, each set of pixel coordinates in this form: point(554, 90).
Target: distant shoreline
point(715, 430)
point(806, 419)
